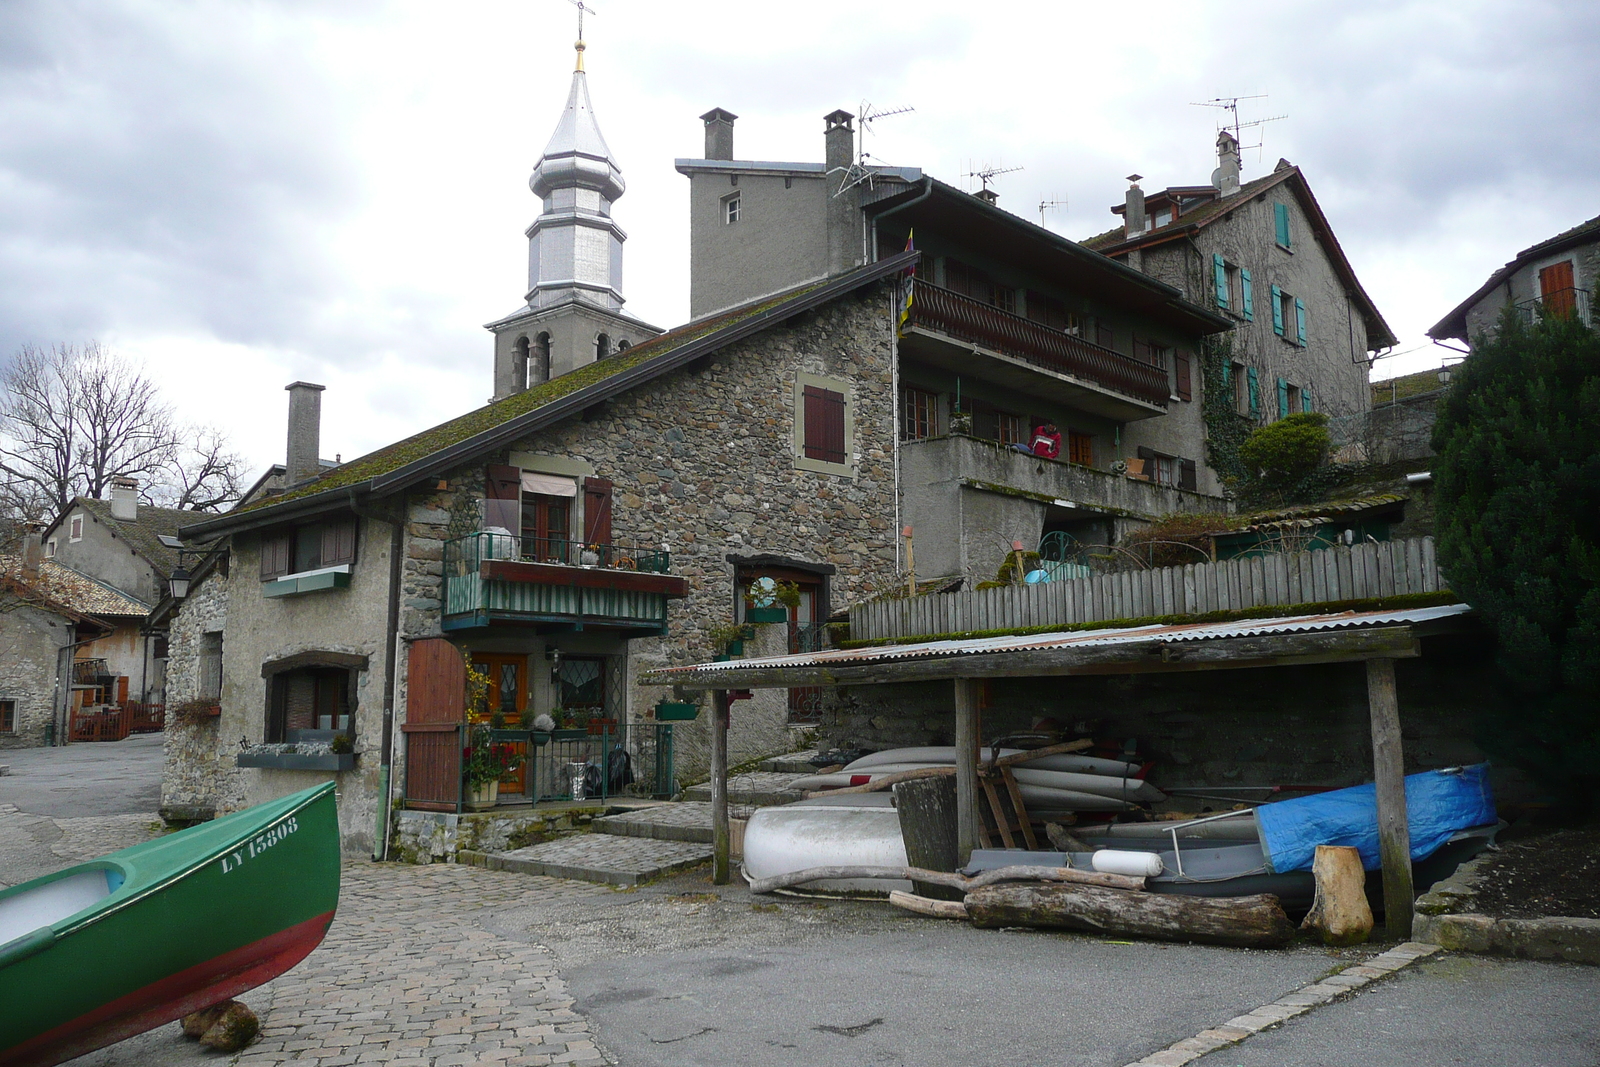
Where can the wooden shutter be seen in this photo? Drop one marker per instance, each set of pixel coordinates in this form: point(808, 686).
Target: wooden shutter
point(1247, 296)
point(1281, 217)
point(1300, 322)
point(1188, 476)
point(339, 543)
point(275, 554)
point(824, 425)
point(1180, 361)
point(1254, 384)
point(1277, 311)
point(596, 511)
point(1219, 277)
point(1556, 294)
point(502, 482)
point(1104, 336)
point(1283, 398)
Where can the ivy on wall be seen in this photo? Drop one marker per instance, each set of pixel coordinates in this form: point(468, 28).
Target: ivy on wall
point(1226, 429)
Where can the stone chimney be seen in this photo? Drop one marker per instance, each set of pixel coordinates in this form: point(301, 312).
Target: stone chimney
point(32, 552)
point(844, 218)
point(988, 196)
point(719, 133)
point(1226, 179)
point(125, 499)
point(302, 462)
point(1133, 217)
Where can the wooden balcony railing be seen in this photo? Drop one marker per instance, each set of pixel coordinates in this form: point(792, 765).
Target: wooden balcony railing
point(970, 320)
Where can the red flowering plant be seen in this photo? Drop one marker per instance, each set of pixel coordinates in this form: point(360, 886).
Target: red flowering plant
point(487, 760)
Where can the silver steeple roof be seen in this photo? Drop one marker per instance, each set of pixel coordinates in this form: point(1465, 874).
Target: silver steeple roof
point(577, 154)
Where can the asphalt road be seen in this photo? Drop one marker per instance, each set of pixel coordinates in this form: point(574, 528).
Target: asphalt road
point(73, 781)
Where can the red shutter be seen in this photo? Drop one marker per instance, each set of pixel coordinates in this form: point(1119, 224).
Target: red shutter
point(1185, 388)
point(596, 511)
point(339, 543)
point(275, 555)
point(502, 483)
point(1555, 289)
point(824, 425)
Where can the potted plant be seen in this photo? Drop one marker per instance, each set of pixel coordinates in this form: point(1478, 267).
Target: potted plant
point(728, 640)
point(590, 555)
point(197, 711)
point(676, 711)
point(530, 722)
point(600, 724)
point(486, 761)
point(568, 728)
point(762, 603)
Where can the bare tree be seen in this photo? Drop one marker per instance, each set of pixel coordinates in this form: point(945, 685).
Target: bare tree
point(74, 417)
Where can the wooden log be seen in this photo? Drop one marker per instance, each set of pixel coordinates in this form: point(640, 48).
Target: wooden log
point(1243, 922)
point(1339, 912)
point(927, 808)
point(1389, 774)
point(949, 878)
point(938, 909)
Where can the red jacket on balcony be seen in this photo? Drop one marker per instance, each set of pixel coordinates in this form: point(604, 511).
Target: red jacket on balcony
point(1047, 441)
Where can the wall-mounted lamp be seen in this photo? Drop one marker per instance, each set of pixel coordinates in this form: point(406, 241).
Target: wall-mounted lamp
point(178, 581)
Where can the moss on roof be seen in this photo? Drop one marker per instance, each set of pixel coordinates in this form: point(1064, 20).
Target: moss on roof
point(144, 533)
point(57, 584)
point(424, 444)
point(1405, 387)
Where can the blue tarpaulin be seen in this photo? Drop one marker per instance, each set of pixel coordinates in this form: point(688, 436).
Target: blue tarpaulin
point(1438, 803)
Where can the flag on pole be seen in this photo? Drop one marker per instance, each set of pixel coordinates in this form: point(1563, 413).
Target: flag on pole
point(909, 281)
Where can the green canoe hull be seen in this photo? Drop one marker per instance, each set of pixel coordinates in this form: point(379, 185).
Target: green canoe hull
point(199, 917)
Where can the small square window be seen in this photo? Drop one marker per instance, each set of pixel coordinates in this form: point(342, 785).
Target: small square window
point(75, 528)
point(8, 716)
point(730, 210)
point(50, 549)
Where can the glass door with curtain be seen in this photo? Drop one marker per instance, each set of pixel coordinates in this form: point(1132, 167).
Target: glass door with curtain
point(508, 694)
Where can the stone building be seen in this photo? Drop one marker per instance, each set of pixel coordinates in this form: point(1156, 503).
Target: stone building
point(1556, 276)
point(1262, 254)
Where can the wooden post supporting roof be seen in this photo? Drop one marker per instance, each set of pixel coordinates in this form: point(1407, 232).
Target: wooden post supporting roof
point(1388, 772)
point(967, 742)
point(719, 787)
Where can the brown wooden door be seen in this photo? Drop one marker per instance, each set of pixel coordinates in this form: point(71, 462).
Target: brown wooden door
point(1555, 289)
point(436, 695)
point(508, 693)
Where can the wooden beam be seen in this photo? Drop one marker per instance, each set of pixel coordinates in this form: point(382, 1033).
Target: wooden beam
point(967, 741)
point(1388, 771)
point(719, 787)
point(1132, 657)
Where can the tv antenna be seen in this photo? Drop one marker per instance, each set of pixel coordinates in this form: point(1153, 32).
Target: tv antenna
point(1230, 104)
point(1046, 205)
point(866, 115)
point(989, 174)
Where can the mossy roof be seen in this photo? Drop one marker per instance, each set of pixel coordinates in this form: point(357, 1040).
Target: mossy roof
point(1405, 387)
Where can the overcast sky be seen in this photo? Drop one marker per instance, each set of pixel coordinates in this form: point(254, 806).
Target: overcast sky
point(243, 193)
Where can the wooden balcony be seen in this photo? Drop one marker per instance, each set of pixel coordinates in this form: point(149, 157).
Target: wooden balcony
point(501, 579)
point(1031, 356)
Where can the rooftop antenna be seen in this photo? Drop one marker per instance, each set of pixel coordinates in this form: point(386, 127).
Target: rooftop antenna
point(1230, 104)
point(989, 174)
point(865, 116)
point(1046, 205)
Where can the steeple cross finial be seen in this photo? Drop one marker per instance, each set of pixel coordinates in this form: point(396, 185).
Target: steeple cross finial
point(582, 7)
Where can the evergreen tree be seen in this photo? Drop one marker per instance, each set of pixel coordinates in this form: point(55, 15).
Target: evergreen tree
point(1518, 498)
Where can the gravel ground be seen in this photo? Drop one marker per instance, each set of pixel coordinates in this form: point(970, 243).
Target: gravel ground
point(1556, 873)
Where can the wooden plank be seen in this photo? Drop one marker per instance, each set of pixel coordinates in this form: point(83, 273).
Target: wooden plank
point(1002, 824)
point(1383, 566)
point(967, 741)
point(1197, 591)
point(1023, 822)
point(1416, 581)
point(1433, 581)
point(719, 788)
point(1344, 588)
point(1388, 771)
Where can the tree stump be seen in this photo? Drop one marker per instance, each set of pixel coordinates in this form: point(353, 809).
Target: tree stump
point(927, 808)
point(1243, 922)
point(1339, 912)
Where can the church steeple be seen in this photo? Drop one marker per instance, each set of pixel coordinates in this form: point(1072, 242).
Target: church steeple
point(573, 314)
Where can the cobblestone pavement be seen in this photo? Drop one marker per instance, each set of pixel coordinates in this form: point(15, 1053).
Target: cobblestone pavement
point(603, 858)
point(689, 820)
point(35, 845)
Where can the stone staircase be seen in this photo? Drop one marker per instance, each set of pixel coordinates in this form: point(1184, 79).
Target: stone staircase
point(650, 838)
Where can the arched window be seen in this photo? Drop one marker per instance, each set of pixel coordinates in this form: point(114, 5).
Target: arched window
point(622, 346)
point(541, 359)
point(519, 365)
point(602, 346)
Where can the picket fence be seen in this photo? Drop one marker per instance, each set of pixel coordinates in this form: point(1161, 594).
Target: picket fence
point(1358, 572)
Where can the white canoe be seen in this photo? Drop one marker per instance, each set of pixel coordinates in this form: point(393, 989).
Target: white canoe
point(859, 831)
point(945, 756)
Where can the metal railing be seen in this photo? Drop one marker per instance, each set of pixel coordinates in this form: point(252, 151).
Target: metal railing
point(1560, 302)
point(971, 320)
point(570, 753)
point(467, 552)
point(88, 671)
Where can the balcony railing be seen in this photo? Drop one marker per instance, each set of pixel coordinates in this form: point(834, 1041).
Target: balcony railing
point(970, 320)
point(1561, 302)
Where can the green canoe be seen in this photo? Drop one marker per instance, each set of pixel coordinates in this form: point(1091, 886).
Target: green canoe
point(122, 944)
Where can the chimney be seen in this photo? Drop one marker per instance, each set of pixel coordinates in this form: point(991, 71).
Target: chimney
point(125, 499)
point(845, 233)
point(1133, 219)
point(988, 196)
point(1226, 179)
point(305, 432)
point(719, 133)
point(32, 551)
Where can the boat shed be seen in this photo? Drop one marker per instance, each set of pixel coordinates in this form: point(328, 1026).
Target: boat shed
point(1376, 638)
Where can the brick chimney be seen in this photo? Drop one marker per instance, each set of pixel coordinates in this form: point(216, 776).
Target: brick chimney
point(1226, 179)
point(1133, 217)
point(302, 462)
point(32, 551)
point(844, 218)
point(125, 498)
point(719, 133)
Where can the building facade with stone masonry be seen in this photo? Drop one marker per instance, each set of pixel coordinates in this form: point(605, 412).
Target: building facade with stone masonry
point(1010, 326)
point(1555, 276)
point(560, 539)
point(1264, 255)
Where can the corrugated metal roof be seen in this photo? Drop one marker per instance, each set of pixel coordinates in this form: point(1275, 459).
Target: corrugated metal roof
point(1345, 620)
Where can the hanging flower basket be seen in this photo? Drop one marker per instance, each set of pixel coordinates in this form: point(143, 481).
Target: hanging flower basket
point(776, 613)
point(676, 711)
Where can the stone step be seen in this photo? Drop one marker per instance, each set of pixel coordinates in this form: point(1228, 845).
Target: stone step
point(754, 789)
point(606, 858)
point(686, 821)
point(791, 763)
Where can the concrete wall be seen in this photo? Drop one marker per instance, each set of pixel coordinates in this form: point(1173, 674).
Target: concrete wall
point(1523, 284)
point(780, 240)
point(103, 555)
point(30, 644)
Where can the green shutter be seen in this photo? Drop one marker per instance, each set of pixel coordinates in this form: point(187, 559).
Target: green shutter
point(1305, 400)
point(1246, 296)
point(1255, 390)
point(1283, 398)
point(1277, 311)
point(1300, 322)
point(1219, 274)
point(1227, 373)
point(1281, 213)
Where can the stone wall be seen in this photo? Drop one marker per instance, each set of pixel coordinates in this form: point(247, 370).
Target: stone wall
point(199, 777)
point(30, 646)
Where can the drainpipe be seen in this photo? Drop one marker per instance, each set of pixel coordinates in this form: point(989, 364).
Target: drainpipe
point(397, 533)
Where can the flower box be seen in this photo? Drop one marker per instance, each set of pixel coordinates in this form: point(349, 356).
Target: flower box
point(299, 761)
point(597, 727)
point(773, 614)
point(568, 735)
point(676, 711)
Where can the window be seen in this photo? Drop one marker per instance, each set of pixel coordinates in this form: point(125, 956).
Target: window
point(824, 424)
point(1173, 471)
point(75, 528)
point(1182, 383)
point(1011, 429)
point(546, 527)
point(1288, 317)
point(1080, 448)
point(310, 698)
point(1003, 297)
point(602, 347)
point(1163, 216)
point(1293, 404)
point(967, 280)
point(308, 548)
point(540, 371)
point(1234, 289)
point(623, 346)
point(1280, 217)
point(730, 210)
point(1051, 312)
point(1253, 392)
point(8, 716)
point(50, 549)
point(210, 674)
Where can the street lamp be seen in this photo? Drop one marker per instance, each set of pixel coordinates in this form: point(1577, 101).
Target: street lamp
point(178, 583)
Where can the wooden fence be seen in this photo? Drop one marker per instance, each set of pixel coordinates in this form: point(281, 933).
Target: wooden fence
point(1333, 574)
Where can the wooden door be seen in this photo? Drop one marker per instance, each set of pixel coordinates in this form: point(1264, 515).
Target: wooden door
point(1555, 289)
point(436, 692)
point(508, 693)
